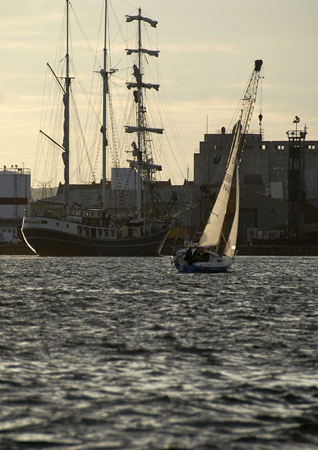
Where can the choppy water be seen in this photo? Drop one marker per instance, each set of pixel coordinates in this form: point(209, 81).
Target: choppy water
point(115, 353)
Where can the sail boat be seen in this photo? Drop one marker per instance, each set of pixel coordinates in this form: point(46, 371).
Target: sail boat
point(204, 256)
point(198, 258)
point(96, 233)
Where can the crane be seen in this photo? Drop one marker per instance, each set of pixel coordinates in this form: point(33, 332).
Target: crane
point(247, 104)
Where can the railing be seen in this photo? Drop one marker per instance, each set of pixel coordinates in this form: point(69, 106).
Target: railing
point(16, 169)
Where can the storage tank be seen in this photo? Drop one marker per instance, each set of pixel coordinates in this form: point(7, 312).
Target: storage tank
point(15, 191)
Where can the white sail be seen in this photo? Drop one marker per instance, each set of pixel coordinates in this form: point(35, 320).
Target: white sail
point(230, 247)
point(212, 233)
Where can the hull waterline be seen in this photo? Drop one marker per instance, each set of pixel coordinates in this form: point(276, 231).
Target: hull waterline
point(201, 269)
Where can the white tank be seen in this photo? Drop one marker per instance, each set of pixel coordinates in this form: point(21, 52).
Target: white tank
point(15, 191)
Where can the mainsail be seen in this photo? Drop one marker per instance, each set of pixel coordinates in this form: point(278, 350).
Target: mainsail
point(212, 233)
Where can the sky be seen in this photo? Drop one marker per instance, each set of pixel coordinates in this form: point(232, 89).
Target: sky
point(207, 53)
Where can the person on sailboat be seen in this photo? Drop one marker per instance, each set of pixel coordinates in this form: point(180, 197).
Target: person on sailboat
point(200, 255)
point(188, 255)
point(196, 254)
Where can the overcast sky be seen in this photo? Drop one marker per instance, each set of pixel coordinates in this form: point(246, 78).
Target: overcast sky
point(207, 53)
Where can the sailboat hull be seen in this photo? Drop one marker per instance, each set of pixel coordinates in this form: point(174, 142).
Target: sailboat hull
point(194, 268)
point(214, 264)
point(45, 240)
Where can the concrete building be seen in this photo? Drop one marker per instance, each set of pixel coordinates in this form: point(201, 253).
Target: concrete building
point(264, 164)
point(123, 179)
point(263, 178)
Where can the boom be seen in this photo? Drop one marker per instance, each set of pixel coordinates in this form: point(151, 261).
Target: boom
point(248, 103)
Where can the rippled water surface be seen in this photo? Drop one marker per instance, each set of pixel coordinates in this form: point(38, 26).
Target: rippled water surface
point(115, 353)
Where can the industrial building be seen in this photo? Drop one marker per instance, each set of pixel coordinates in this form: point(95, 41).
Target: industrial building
point(15, 188)
point(264, 164)
point(272, 179)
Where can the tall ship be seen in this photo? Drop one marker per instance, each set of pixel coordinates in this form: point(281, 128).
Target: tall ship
point(78, 231)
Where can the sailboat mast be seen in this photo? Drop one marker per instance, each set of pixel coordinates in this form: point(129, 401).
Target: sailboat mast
point(105, 91)
point(139, 185)
point(66, 100)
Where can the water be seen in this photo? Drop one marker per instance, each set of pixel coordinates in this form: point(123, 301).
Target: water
point(115, 353)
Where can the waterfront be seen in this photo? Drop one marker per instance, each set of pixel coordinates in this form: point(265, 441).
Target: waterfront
point(129, 354)
point(303, 248)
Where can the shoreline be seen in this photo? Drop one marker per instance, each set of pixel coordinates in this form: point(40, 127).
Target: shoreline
point(301, 249)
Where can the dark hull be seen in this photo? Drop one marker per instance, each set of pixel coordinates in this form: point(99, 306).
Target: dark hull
point(198, 269)
point(54, 243)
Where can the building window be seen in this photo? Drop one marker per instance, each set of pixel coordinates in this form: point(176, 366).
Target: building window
point(311, 147)
point(294, 164)
point(280, 147)
point(264, 146)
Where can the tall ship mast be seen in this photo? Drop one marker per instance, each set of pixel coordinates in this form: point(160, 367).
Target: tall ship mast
point(142, 164)
point(94, 232)
point(104, 75)
point(66, 101)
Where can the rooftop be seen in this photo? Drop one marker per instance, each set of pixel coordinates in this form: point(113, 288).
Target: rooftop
point(14, 169)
